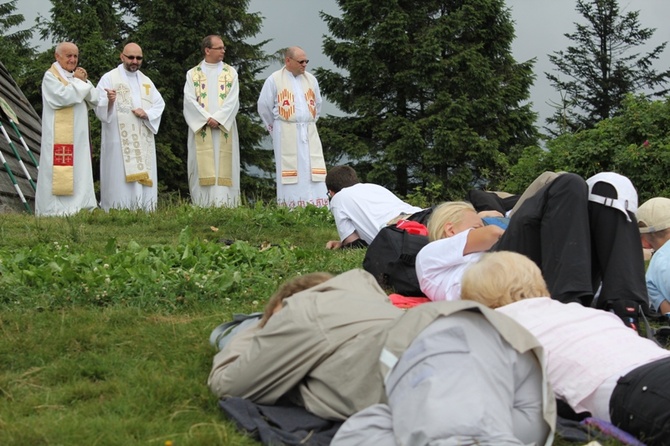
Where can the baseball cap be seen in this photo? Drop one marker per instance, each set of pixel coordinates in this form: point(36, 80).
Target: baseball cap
point(654, 215)
point(626, 200)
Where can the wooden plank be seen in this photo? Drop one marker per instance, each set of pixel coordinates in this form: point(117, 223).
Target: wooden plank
point(30, 127)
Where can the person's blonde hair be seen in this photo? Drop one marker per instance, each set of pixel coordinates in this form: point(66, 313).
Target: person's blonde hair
point(289, 288)
point(502, 277)
point(448, 212)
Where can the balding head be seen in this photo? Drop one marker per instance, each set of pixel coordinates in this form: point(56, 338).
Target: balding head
point(132, 46)
point(131, 57)
point(296, 60)
point(67, 55)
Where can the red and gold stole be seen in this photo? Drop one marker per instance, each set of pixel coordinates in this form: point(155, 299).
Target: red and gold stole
point(63, 146)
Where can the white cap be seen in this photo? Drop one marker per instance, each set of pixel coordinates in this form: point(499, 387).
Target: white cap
point(626, 200)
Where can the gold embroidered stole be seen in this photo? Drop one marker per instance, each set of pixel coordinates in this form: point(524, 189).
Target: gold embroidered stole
point(289, 129)
point(63, 146)
point(204, 145)
point(137, 140)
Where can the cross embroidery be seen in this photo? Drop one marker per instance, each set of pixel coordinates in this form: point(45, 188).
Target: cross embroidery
point(63, 155)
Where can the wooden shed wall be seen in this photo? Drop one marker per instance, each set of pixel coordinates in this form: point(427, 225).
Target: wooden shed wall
point(30, 127)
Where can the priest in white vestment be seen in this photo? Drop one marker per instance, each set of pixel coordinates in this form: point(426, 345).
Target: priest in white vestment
point(289, 105)
point(211, 103)
point(130, 111)
point(65, 178)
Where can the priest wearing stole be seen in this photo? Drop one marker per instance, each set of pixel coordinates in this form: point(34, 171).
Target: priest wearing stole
point(130, 111)
point(65, 179)
point(211, 102)
point(289, 105)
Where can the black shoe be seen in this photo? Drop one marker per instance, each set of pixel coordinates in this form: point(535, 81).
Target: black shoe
point(662, 335)
point(627, 310)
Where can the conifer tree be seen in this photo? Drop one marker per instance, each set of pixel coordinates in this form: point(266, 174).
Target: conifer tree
point(595, 74)
point(169, 32)
point(430, 91)
point(14, 43)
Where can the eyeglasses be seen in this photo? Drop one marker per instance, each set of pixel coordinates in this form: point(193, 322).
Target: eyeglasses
point(133, 57)
point(329, 195)
point(302, 62)
point(218, 48)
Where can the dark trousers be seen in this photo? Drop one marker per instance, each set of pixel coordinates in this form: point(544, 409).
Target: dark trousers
point(640, 403)
point(490, 201)
point(577, 243)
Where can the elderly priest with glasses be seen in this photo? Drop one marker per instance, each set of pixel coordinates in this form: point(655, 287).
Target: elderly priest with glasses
point(289, 105)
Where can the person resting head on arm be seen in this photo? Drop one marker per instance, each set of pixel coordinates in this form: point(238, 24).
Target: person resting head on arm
point(501, 278)
point(594, 362)
point(457, 237)
point(454, 217)
point(288, 289)
point(312, 347)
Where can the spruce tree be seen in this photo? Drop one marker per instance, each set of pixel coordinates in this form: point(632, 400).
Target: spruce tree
point(14, 43)
point(595, 74)
point(430, 91)
point(169, 32)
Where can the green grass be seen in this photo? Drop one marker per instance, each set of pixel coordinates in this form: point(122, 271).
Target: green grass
point(105, 318)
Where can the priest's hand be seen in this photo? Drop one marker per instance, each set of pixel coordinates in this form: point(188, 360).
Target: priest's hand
point(80, 73)
point(140, 113)
point(213, 123)
point(111, 96)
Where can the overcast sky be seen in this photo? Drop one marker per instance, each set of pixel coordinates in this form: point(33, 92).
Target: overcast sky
point(539, 24)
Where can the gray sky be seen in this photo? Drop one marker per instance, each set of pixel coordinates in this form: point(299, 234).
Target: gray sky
point(540, 25)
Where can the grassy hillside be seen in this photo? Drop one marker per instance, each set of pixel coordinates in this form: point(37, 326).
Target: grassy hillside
point(105, 318)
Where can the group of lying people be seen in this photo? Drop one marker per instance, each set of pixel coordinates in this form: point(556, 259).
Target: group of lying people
point(521, 316)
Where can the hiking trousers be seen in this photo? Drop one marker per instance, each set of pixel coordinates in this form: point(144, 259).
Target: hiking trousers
point(579, 244)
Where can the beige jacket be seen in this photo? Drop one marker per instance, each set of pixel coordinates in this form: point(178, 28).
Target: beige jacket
point(327, 341)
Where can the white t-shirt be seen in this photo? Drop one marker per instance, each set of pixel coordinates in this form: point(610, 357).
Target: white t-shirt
point(440, 266)
point(584, 348)
point(365, 208)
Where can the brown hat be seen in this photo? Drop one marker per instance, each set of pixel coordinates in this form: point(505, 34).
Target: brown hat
point(654, 215)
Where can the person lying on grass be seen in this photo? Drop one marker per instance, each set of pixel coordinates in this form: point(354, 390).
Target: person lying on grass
point(329, 349)
point(582, 234)
point(594, 362)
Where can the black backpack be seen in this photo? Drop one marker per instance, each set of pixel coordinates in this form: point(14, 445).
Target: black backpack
point(390, 258)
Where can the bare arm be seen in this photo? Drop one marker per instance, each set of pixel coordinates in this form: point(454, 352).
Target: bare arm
point(482, 239)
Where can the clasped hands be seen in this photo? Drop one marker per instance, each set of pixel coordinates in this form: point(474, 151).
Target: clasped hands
point(81, 74)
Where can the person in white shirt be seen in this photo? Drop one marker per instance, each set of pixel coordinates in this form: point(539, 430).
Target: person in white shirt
point(130, 111)
point(582, 234)
point(594, 362)
point(361, 209)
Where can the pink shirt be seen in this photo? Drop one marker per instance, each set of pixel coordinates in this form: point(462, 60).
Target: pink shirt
point(584, 347)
